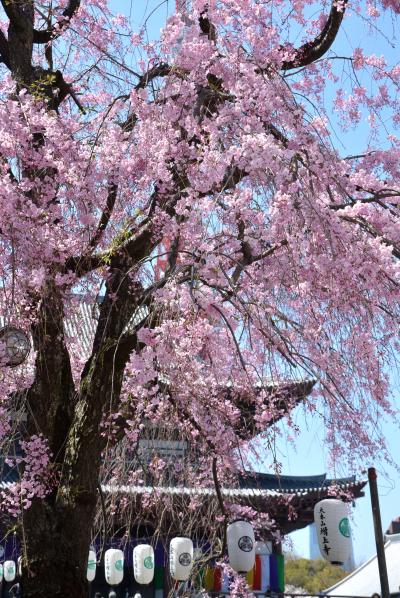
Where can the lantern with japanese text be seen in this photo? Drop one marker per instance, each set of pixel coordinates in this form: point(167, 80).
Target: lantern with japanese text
point(114, 566)
point(91, 565)
point(241, 545)
point(333, 530)
point(10, 571)
point(143, 563)
point(180, 558)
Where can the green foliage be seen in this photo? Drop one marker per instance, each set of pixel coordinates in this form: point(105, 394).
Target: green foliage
point(313, 576)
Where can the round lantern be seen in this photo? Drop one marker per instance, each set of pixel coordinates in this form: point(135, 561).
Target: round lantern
point(114, 566)
point(19, 566)
point(333, 530)
point(241, 549)
point(1, 572)
point(180, 558)
point(15, 345)
point(91, 565)
point(10, 571)
point(143, 563)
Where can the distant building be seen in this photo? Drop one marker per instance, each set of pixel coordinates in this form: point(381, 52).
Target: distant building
point(394, 527)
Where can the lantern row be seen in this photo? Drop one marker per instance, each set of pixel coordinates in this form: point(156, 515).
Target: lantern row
point(241, 551)
point(334, 539)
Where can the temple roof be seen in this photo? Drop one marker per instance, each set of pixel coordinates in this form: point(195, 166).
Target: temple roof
point(278, 496)
point(293, 484)
point(291, 508)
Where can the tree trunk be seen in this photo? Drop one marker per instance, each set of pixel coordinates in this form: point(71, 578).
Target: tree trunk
point(56, 549)
point(56, 532)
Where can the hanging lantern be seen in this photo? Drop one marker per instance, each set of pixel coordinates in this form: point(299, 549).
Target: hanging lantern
point(180, 558)
point(1, 572)
point(10, 571)
point(333, 530)
point(91, 565)
point(14, 347)
point(19, 566)
point(240, 541)
point(143, 563)
point(114, 566)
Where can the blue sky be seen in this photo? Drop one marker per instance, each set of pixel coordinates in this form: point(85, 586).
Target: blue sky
point(310, 457)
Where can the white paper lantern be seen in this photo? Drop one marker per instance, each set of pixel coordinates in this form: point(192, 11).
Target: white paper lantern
point(19, 566)
point(91, 565)
point(180, 558)
point(10, 571)
point(143, 563)
point(114, 566)
point(263, 547)
point(1, 572)
point(333, 530)
point(241, 549)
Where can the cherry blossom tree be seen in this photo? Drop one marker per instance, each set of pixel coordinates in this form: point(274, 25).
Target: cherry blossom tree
point(210, 152)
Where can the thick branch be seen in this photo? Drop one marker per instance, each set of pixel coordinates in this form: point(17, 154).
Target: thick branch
point(4, 50)
point(64, 90)
point(20, 14)
point(106, 215)
point(134, 249)
point(159, 70)
point(367, 227)
point(312, 51)
point(20, 39)
point(45, 36)
point(376, 198)
point(207, 28)
point(51, 396)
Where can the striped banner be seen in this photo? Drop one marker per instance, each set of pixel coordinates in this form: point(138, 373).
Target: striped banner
point(268, 574)
point(257, 573)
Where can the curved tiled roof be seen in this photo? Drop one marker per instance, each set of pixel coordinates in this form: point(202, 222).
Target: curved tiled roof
point(293, 484)
point(264, 485)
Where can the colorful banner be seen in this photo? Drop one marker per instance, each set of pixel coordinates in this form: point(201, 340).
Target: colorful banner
point(257, 573)
point(268, 574)
point(281, 572)
point(250, 578)
point(265, 573)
